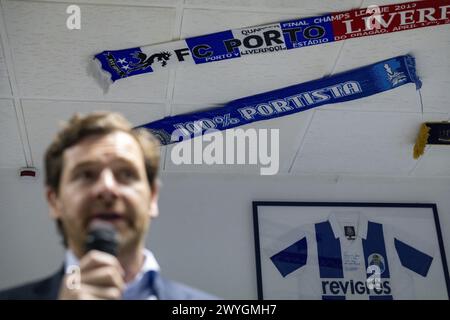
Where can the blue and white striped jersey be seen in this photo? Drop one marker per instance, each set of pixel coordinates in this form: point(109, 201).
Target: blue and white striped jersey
point(329, 259)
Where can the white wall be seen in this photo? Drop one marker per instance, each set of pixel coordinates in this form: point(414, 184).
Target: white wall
point(204, 235)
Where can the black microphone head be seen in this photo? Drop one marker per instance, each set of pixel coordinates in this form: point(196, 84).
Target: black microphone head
point(102, 236)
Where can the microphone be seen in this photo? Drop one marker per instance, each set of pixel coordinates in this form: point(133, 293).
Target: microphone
point(102, 236)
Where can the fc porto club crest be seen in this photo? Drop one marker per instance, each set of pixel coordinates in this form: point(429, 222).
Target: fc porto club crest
point(394, 77)
point(124, 66)
point(377, 260)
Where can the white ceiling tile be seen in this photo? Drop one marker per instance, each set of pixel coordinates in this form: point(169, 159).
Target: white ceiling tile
point(324, 6)
point(349, 142)
point(366, 3)
point(43, 118)
point(291, 130)
point(52, 61)
point(367, 50)
point(5, 88)
point(224, 81)
point(123, 2)
point(435, 95)
point(10, 144)
point(434, 162)
point(401, 99)
point(197, 22)
point(432, 51)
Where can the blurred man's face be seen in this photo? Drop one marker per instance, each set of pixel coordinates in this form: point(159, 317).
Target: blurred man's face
point(104, 178)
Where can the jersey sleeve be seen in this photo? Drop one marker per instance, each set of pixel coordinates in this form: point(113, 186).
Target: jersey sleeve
point(290, 251)
point(415, 253)
point(292, 257)
point(412, 258)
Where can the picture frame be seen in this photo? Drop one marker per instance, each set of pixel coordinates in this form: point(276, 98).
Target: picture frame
point(349, 250)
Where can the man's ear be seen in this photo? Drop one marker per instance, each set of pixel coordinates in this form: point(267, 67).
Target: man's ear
point(53, 203)
point(154, 209)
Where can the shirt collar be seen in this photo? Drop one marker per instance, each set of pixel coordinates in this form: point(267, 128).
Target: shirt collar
point(361, 222)
point(150, 264)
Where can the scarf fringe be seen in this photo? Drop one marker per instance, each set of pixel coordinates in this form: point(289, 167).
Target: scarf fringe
point(421, 141)
point(101, 76)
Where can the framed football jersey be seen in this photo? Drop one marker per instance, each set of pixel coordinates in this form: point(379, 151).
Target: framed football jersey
point(349, 251)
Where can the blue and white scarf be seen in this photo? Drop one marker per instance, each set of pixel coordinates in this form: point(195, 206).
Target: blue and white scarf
point(350, 85)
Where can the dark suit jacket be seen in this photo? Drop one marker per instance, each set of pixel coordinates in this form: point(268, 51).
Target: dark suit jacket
point(48, 288)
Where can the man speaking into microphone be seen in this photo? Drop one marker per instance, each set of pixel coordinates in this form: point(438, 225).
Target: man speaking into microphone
point(102, 190)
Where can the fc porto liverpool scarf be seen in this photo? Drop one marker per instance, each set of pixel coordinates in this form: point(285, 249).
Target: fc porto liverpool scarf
point(112, 65)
